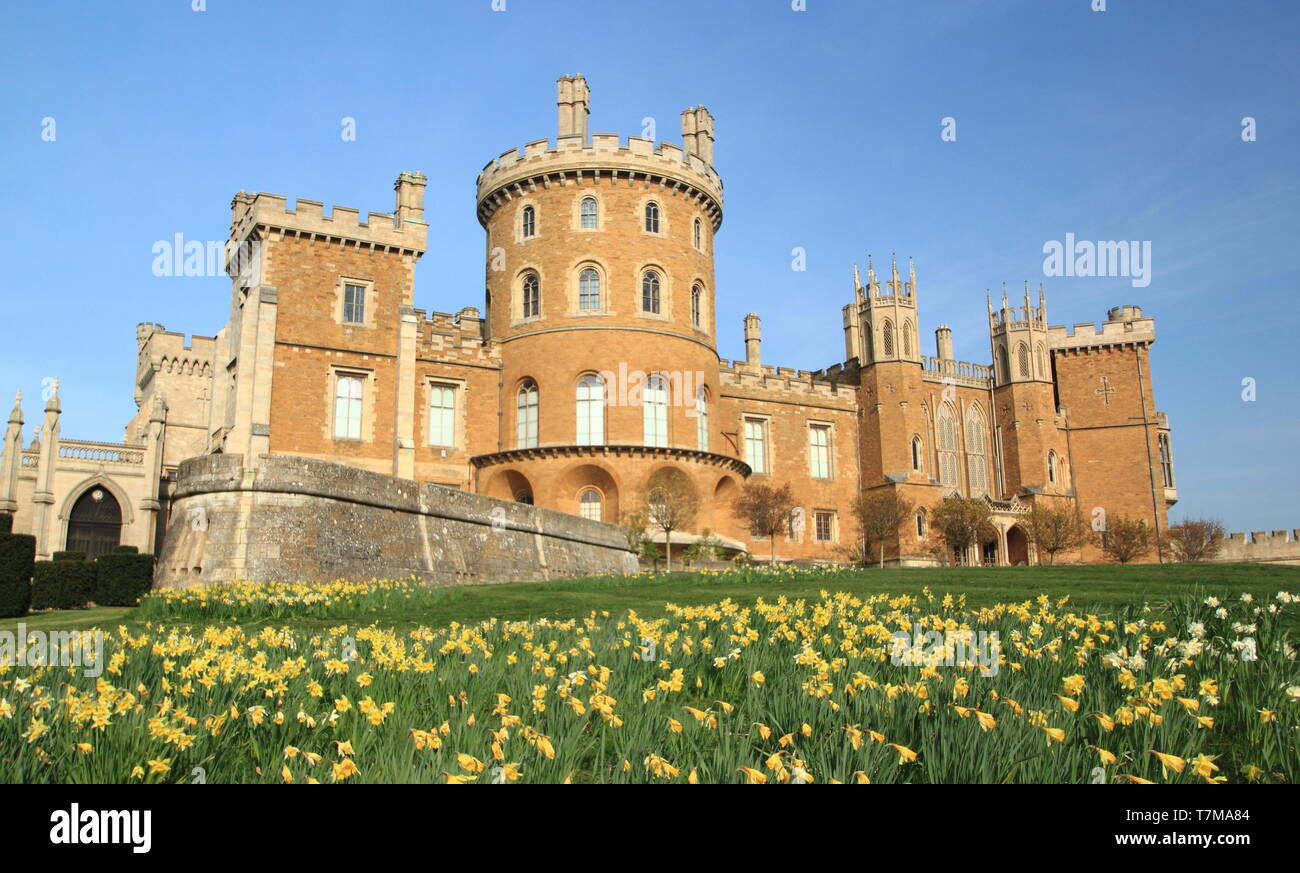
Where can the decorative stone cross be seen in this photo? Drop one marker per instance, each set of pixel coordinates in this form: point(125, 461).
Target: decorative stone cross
point(1105, 390)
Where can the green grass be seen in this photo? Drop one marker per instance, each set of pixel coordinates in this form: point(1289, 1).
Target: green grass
point(1096, 588)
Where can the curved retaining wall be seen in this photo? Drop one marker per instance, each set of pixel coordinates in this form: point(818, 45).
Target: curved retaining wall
point(294, 519)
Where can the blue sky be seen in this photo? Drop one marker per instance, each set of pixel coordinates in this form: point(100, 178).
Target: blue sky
point(1123, 124)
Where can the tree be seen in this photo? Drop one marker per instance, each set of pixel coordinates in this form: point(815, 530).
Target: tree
point(1196, 539)
point(1125, 539)
point(962, 522)
point(766, 510)
point(670, 504)
point(1054, 529)
point(880, 513)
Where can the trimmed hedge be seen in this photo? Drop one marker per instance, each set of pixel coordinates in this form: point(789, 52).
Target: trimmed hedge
point(69, 556)
point(125, 550)
point(62, 584)
point(121, 579)
point(17, 555)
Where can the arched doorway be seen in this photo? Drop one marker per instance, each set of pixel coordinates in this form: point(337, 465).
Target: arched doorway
point(1017, 547)
point(95, 523)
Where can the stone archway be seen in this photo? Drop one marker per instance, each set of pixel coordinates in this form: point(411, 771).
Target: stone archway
point(577, 486)
point(94, 523)
point(1017, 546)
point(510, 485)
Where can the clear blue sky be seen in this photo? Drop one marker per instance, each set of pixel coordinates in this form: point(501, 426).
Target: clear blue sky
point(1124, 124)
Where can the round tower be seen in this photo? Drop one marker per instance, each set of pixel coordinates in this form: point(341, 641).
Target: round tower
point(600, 298)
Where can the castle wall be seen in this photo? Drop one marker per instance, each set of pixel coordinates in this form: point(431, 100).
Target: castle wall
point(295, 518)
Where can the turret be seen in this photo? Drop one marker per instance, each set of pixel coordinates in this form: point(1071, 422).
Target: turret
point(886, 318)
point(943, 342)
point(1019, 338)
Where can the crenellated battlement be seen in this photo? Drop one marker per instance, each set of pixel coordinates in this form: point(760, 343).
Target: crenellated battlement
point(606, 160)
point(780, 380)
point(164, 351)
point(1276, 546)
point(1126, 325)
point(402, 231)
point(458, 336)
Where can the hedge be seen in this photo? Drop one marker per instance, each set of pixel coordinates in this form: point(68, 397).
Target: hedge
point(69, 556)
point(62, 584)
point(125, 550)
point(122, 579)
point(17, 555)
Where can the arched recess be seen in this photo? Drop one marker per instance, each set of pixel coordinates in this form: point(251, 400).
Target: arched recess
point(590, 476)
point(723, 494)
point(1017, 546)
point(510, 485)
point(94, 515)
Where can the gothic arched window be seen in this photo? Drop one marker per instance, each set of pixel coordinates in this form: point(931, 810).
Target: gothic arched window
point(589, 289)
point(526, 416)
point(532, 297)
point(650, 292)
point(887, 339)
point(948, 446)
point(1022, 358)
point(530, 221)
point(588, 210)
point(696, 294)
point(976, 462)
point(652, 217)
point(591, 411)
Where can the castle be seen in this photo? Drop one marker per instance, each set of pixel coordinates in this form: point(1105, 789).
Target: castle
point(593, 364)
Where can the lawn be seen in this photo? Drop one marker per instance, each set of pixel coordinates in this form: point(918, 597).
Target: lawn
point(1096, 588)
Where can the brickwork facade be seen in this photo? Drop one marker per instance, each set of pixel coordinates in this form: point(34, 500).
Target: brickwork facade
point(592, 364)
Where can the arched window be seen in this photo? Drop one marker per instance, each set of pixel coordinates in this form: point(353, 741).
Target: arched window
point(652, 217)
point(589, 289)
point(654, 403)
point(907, 339)
point(702, 420)
point(591, 411)
point(696, 294)
point(532, 296)
point(1051, 467)
point(976, 460)
point(1043, 371)
point(1022, 359)
point(526, 417)
point(887, 338)
point(1003, 364)
point(650, 292)
point(917, 453)
point(589, 504)
point(95, 523)
point(588, 213)
point(699, 233)
point(920, 525)
point(530, 221)
point(947, 446)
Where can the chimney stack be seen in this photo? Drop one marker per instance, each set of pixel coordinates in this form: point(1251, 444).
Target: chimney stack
point(410, 197)
point(574, 102)
point(697, 133)
point(943, 341)
point(753, 339)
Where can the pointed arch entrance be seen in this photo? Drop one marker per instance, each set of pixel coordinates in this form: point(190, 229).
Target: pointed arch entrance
point(95, 523)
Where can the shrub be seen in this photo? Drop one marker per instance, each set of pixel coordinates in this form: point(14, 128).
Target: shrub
point(122, 579)
point(69, 556)
point(1197, 539)
point(125, 550)
point(1125, 539)
point(17, 555)
point(62, 584)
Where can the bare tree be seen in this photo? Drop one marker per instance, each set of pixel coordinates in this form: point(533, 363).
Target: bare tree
point(962, 522)
point(880, 513)
point(1197, 539)
point(671, 503)
point(1125, 538)
point(1054, 529)
point(766, 510)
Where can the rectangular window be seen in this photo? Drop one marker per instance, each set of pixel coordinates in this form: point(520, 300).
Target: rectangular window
point(1166, 462)
point(354, 304)
point(819, 451)
point(825, 524)
point(347, 407)
point(442, 415)
point(756, 444)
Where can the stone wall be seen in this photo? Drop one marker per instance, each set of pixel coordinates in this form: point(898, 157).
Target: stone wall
point(296, 519)
point(1279, 546)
